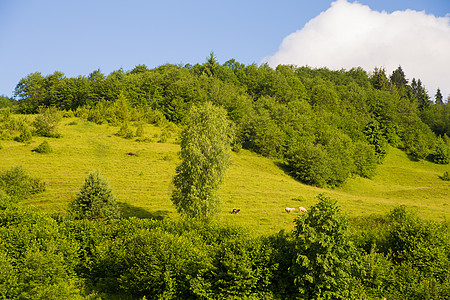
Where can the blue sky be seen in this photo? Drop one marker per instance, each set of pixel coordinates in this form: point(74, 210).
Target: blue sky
point(77, 37)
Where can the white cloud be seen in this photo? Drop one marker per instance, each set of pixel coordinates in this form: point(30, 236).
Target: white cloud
point(349, 35)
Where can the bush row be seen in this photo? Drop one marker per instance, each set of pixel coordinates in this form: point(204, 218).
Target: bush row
point(398, 256)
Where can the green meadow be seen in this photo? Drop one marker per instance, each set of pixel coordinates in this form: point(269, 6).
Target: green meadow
point(255, 184)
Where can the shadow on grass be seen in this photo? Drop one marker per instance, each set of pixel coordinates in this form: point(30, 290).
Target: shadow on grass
point(285, 168)
point(129, 211)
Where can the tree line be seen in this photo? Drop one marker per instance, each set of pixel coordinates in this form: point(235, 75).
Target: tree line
point(323, 125)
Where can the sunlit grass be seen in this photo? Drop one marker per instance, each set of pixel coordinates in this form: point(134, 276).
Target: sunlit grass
point(254, 184)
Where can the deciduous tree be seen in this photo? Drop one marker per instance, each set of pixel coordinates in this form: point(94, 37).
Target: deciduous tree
point(205, 151)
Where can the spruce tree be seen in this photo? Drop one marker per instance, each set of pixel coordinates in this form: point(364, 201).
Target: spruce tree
point(398, 78)
point(205, 152)
point(439, 97)
point(95, 200)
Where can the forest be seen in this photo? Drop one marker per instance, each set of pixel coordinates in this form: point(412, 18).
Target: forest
point(321, 127)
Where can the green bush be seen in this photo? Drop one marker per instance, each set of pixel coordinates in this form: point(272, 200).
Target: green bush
point(152, 263)
point(95, 200)
point(24, 137)
point(47, 122)
point(36, 261)
point(441, 153)
point(125, 132)
point(6, 201)
point(139, 131)
point(43, 148)
point(17, 184)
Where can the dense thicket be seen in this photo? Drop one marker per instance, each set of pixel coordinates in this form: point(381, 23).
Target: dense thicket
point(324, 125)
point(398, 256)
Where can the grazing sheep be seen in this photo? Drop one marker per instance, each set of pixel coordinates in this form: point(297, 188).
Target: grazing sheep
point(302, 209)
point(289, 209)
point(235, 211)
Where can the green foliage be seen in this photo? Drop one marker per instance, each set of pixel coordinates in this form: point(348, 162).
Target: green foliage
point(25, 136)
point(43, 257)
point(6, 201)
point(379, 79)
point(273, 110)
point(95, 200)
point(441, 153)
point(365, 160)
point(420, 249)
point(205, 152)
point(139, 131)
point(5, 101)
point(125, 131)
point(309, 163)
point(375, 137)
point(175, 260)
point(43, 148)
point(47, 122)
point(325, 255)
point(327, 163)
point(36, 260)
point(17, 184)
point(121, 111)
point(421, 95)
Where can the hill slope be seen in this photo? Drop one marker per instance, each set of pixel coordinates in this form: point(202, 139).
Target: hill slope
point(253, 183)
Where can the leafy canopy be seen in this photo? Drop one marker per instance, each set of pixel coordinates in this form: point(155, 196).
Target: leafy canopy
point(205, 154)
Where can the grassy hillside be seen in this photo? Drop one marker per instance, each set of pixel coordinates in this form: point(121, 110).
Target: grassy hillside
point(255, 184)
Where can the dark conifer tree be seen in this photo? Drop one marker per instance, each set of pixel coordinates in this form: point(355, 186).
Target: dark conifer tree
point(438, 97)
point(419, 91)
point(379, 79)
point(398, 78)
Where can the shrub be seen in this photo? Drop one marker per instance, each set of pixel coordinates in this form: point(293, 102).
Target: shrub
point(17, 184)
point(24, 137)
point(95, 200)
point(152, 263)
point(47, 122)
point(125, 131)
point(139, 131)
point(35, 259)
point(5, 200)
point(441, 153)
point(43, 148)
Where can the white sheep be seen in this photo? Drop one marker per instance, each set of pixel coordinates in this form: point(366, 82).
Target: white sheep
point(289, 209)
